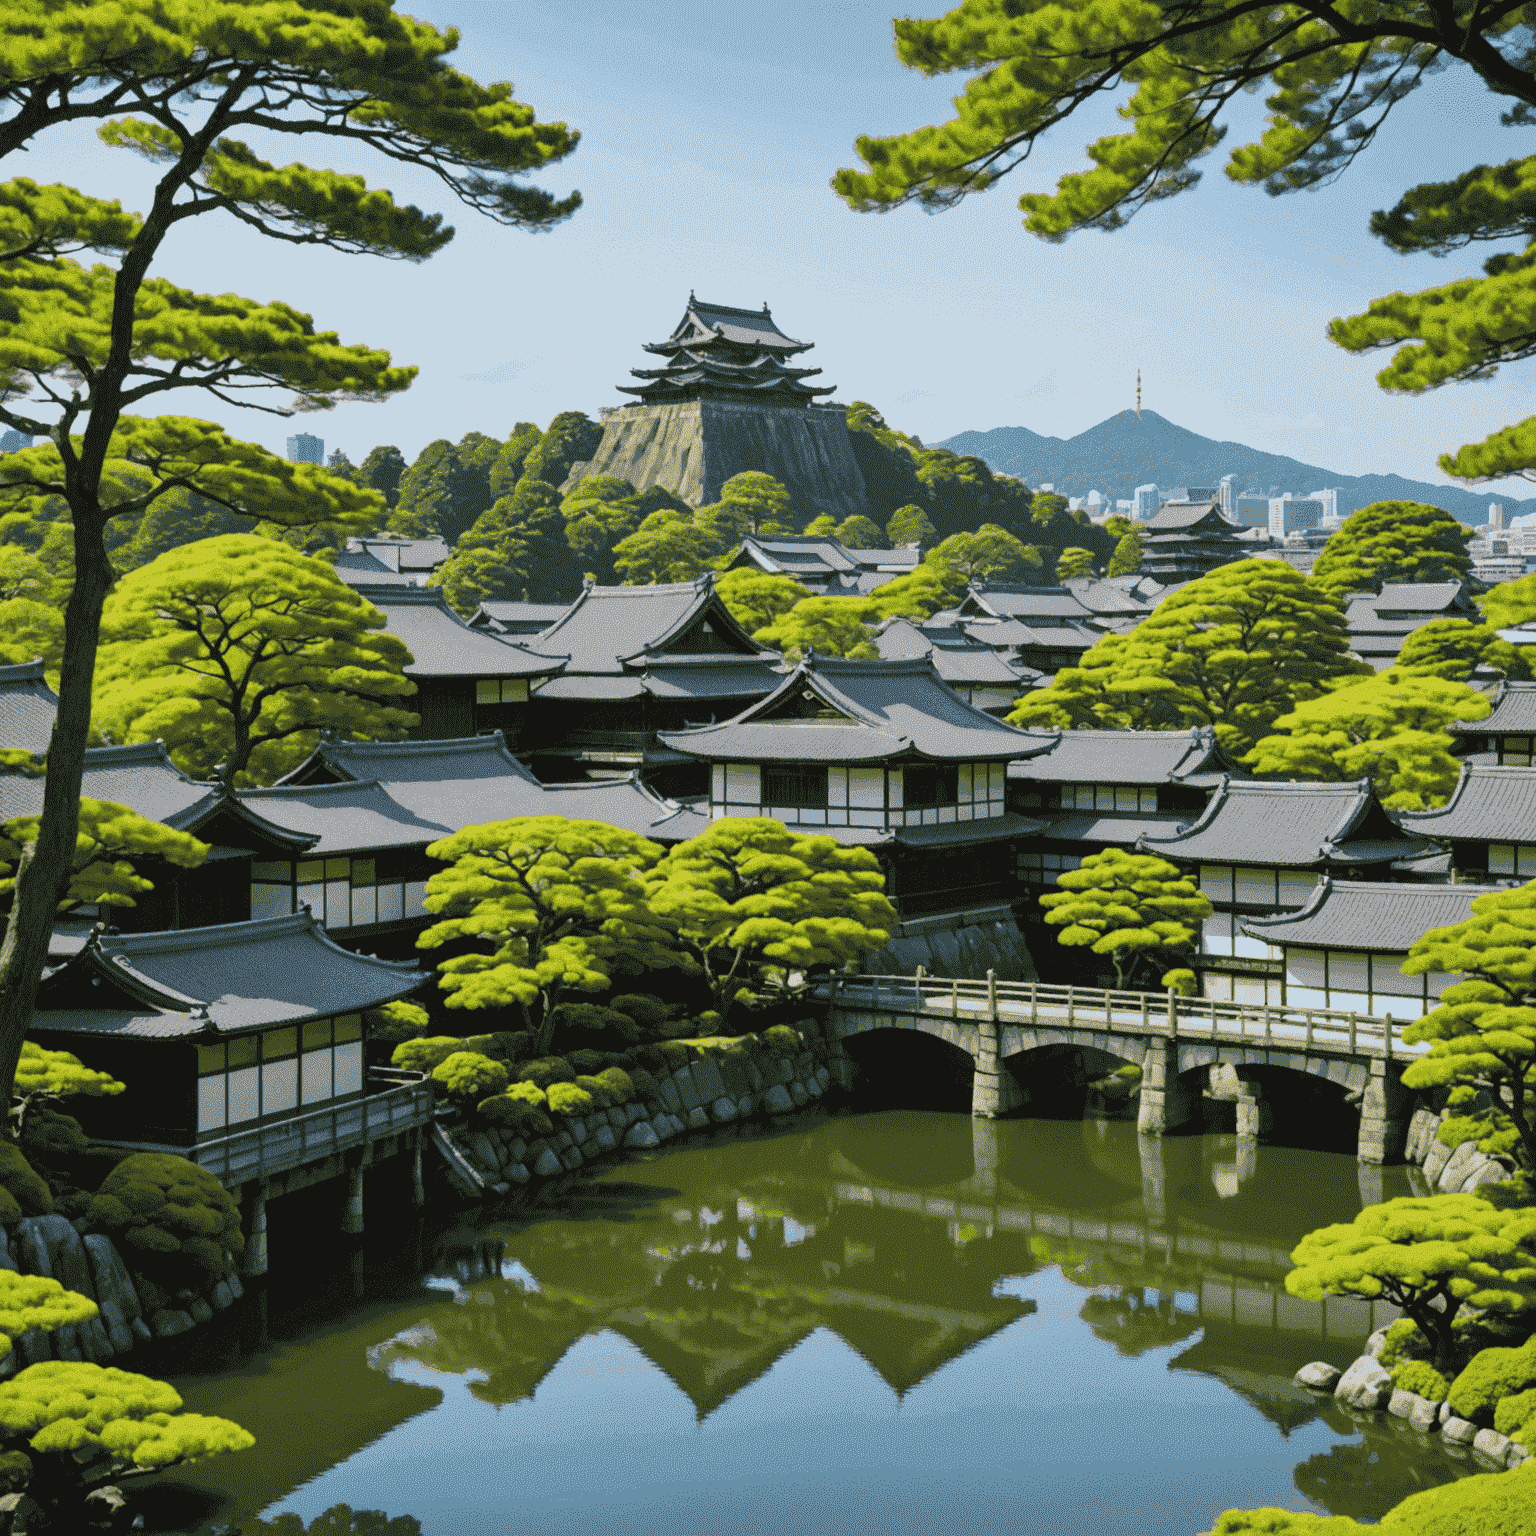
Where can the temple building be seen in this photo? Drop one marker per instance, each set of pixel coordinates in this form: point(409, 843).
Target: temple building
point(1488, 826)
point(1260, 848)
point(1187, 539)
point(1379, 623)
point(824, 566)
point(1345, 948)
point(980, 675)
point(883, 755)
point(1507, 735)
point(27, 708)
point(727, 397)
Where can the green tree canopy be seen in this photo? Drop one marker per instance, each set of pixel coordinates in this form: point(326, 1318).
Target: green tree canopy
point(526, 531)
point(550, 905)
point(1430, 1255)
point(760, 503)
point(757, 599)
point(823, 527)
point(909, 525)
point(1235, 649)
point(600, 513)
point(990, 551)
point(1505, 605)
point(1455, 648)
point(830, 626)
point(508, 465)
point(84, 347)
point(447, 488)
point(238, 652)
point(571, 438)
point(920, 595)
point(382, 471)
point(1332, 74)
point(1390, 729)
point(1072, 563)
point(1126, 560)
point(1482, 1037)
point(668, 546)
point(860, 532)
point(760, 909)
point(1393, 541)
point(1139, 911)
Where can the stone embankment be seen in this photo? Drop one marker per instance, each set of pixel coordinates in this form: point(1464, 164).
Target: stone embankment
point(91, 1265)
point(1367, 1387)
point(1449, 1170)
point(712, 1090)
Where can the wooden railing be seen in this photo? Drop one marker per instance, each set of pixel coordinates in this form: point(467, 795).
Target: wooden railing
point(1140, 1013)
point(266, 1150)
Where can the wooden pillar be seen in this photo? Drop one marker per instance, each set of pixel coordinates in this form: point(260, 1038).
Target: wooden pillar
point(352, 1215)
point(256, 1230)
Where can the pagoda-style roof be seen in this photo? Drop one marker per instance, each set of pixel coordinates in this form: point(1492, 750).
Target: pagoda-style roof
point(957, 658)
point(1186, 539)
point(1489, 804)
point(1034, 606)
point(823, 563)
point(1291, 826)
point(215, 982)
point(27, 708)
point(516, 618)
point(1190, 517)
point(1124, 757)
point(443, 645)
point(410, 762)
point(1513, 713)
point(721, 352)
point(840, 711)
point(342, 818)
point(1369, 914)
point(1114, 597)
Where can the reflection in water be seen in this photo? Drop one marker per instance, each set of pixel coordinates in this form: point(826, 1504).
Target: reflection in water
point(1004, 1277)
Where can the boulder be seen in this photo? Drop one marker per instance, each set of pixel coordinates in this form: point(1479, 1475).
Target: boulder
point(517, 1173)
point(641, 1135)
point(671, 1101)
point(698, 1118)
point(1460, 1163)
point(19, 1512)
point(232, 1280)
point(777, 1100)
point(723, 1110)
point(482, 1152)
point(1435, 1160)
point(1375, 1344)
point(754, 1077)
point(707, 1079)
point(605, 1138)
point(1489, 1443)
point(200, 1310)
point(634, 1113)
point(571, 1157)
point(549, 1163)
point(678, 1127)
point(517, 1151)
point(1516, 1455)
point(66, 1343)
point(618, 1120)
point(113, 1282)
point(687, 1093)
point(95, 1342)
point(662, 1125)
point(33, 1346)
point(6, 1261)
point(733, 1074)
point(116, 1324)
point(578, 1129)
point(745, 1105)
point(1366, 1384)
point(1400, 1404)
point(797, 1093)
point(1492, 1172)
point(31, 1248)
point(1319, 1376)
point(169, 1321)
point(221, 1296)
point(1420, 1129)
point(501, 1187)
point(823, 1078)
point(1456, 1431)
point(1424, 1416)
point(140, 1329)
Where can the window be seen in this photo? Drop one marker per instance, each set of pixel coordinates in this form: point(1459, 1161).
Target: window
point(1107, 797)
point(279, 1071)
point(1515, 751)
point(503, 690)
point(798, 787)
point(929, 784)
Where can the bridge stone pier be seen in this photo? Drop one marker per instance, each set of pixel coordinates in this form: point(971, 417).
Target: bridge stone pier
point(1185, 1047)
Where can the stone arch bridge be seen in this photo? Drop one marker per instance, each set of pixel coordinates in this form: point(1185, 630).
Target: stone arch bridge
point(1181, 1044)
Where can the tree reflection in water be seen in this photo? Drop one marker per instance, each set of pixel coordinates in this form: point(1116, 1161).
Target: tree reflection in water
point(339, 1520)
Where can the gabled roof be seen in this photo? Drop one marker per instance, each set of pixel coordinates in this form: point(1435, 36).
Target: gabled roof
point(1123, 757)
point(27, 708)
point(410, 762)
point(1290, 825)
point(955, 656)
point(1369, 914)
point(357, 567)
point(442, 644)
point(614, 630)
point(1014, 601)
point(746, 327)
point(1015, 634)
point(217, 981)
point(1192, 517)
point(841, 711)
point(1423, 597)
point(1489, 803)
point(1125, 828)
point(1116, 595)
point(1513, 713)
point(505, 618)
point(342, 818)
point(401, 554)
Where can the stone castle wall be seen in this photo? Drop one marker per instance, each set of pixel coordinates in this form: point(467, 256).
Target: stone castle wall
point(692, 447)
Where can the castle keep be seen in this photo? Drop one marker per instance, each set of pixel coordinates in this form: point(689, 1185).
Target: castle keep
point(727, 399)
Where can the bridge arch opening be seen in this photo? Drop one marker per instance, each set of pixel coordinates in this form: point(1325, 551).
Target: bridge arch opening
point(907, 1069)
point(1074, 1082)
point(1296, 1109)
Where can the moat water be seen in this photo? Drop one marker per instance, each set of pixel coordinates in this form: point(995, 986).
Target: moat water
point(887, 1322)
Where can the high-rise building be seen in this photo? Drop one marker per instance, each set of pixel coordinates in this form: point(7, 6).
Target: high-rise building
point(1495, 514)
point(304, 449)
point(12, 441)
point(1226, 494)
point(1253, 509)
point(1199, 493)
point(1290, 514)
point(1147, 502)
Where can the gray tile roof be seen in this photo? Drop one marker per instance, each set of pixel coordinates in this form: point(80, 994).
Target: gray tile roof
point(586, 687)
point(442, 644)
point(27, 708)
point(877, 709)
point(141, 777)
point(957, 658)
point(1108, 827)
point(399, 554)
point(709, 677)
point(1513, 713)
point(406, 762)
point(1425, 597)
point(1191, 516)
point(245, 975)
point(746, 327)
point(1014, 634)
point(1120, 757)
point(508, 618)
point(1118, 595)
point(1489, 802)
point(1369, 914)
point(357, 567)
point(349, 817)
point(1289, 825)
point(1020, 602)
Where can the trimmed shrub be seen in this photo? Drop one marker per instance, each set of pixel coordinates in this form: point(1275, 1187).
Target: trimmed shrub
point(643, 1083)
point(61, 1073)
point(425, 1055)
point(23, 1191)
point(568, 1099)
point(469, 1075)
point(48, 1134)
point(1492, 1374)
point(35, 1301)
point(1403, 1343)
point(516, 1115)
point(1421, 1377)
point(394, 1023)
point(585, 1062)
point(1491, 1504)
point(648, 1013)
point(596, 1089)
point(544, 1070)
point(1284, 1522)
point(1514, 1413)
point(618, 1083)
point(504, 1045)
point(782, 1040)
point(173, 1221)
point(528, 1093)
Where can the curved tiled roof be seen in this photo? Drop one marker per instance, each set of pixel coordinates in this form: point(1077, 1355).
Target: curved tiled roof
point(1295, 825)
point(141, 777)
point(955, 656)
point(220, 980)
point(405, 762)
point(1513, 713)
point(1121, 757)
point(1369, 914)
point(878, 709)
point(342, 818)
point(442, 644)
point(27, 708)
point(1489, 801)
point(516, 618)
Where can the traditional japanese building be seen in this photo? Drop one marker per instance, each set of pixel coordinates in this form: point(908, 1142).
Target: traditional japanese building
point(727, 397)
point(635, 661)
point(1507, 735)
point(27, 708)
point(415, 559)
point(216, 1029)
point(1041, 629)
point(1260, 848)
point(467, 680)
point(883, 755)
point(822, 565)
point(1379, 624)
point(1109, 789)
point(1186, 539)
point(516, 618)
point(1345, 948)
point(980, 675)
point(1488, 825)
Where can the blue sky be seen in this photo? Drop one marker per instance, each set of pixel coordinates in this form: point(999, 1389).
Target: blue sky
point(709, 133)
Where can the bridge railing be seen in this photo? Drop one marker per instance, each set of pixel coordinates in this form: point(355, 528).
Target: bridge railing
point(1143, 1013)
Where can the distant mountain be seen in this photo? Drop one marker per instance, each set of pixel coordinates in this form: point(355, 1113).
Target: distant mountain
point(1121, 453)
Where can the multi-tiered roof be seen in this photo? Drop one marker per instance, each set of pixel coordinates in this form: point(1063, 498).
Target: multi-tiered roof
point(1186, 539)
point(731, 353)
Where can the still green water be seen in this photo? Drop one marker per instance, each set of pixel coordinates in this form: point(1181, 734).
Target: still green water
point(888, 1322)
